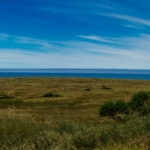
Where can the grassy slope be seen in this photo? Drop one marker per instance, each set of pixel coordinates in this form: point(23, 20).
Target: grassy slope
point(30, 121)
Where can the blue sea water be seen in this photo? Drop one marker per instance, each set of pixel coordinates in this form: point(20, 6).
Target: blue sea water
point(89, 73)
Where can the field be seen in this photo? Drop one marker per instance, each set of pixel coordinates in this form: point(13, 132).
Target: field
point(62, 114)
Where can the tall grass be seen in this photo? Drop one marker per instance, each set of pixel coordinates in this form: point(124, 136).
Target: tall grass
point(21, 132)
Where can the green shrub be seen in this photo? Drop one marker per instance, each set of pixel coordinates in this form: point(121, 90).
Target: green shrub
point(108, 109)
point(121, 107)
point(51, 95)
point(112, 108)
point(87, 89)
point(139, 100)
point(139, 103)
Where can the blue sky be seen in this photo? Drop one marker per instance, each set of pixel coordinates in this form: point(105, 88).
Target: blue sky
point(75, 34)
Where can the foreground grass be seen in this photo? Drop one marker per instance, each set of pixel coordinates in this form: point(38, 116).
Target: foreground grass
point(69, 121)
point(21, 132)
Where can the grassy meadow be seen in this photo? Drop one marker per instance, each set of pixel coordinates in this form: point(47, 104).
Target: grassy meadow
point(62, 114)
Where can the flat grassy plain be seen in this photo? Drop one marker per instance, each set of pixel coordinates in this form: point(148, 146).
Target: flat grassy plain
point(69, 121)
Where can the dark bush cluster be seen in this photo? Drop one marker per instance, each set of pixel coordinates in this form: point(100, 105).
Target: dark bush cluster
point(140, 102)
point(51, 95)
point(105, 87)
point(112, 108)
point(87, 89)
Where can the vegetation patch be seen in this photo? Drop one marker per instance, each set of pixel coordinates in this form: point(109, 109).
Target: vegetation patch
point(105, 87)
point(87, 89)
point(112, 108)
point(51, 95)
point(140, 103)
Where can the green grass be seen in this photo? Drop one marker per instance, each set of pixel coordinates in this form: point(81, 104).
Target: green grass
point(70, 121)
point(20, 131)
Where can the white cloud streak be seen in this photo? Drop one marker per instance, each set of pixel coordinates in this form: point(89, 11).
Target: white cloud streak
point(42, 44)
point(96, 38)
point(129, 18)
point(133, 26)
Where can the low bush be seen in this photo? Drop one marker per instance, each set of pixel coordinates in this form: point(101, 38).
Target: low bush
point(51, 95)
point(87, 89)
point(140, 103)
point(113, 108)
point(139, 100)
point(105, 87)
point(108, 109)
point(121, 107)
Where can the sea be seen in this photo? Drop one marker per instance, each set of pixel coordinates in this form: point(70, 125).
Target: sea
point(82, 73)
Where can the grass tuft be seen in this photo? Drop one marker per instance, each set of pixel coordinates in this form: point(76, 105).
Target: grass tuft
point(51, 95)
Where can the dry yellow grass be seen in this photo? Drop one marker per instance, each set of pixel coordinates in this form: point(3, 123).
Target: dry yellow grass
point(74, 102)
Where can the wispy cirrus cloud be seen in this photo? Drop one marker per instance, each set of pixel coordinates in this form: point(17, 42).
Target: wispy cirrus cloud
point(41, 44)
point(98, 9)
point(133, 26)
point(4, 36)
point(78, 7)
point(96, 38)
point(132, 52)
point(129, 18)
point(107, 9)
